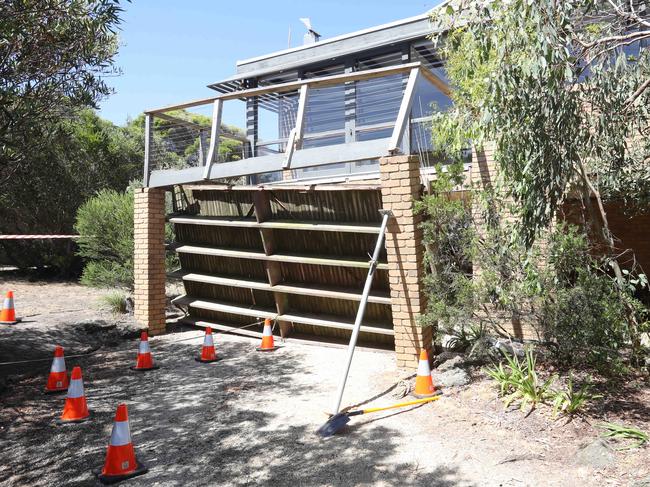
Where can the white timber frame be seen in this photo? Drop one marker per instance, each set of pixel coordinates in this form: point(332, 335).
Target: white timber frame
point(294, 157)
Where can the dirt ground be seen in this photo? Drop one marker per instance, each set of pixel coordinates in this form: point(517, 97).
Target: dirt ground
point(250, 418)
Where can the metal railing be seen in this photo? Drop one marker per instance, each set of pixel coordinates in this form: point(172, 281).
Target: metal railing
point(319, 127)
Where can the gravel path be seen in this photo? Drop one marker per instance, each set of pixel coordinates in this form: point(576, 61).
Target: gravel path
point(250, 418)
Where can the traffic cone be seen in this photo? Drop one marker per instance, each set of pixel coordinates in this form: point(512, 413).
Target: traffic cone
point(58, 379)
point(145, 360)
point(76, 408)
point(423, 382)
point(208, 353)
point(121, 463)
point(267, 338)
point(8, 313)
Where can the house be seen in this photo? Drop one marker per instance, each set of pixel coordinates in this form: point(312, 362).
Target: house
point(276, 218)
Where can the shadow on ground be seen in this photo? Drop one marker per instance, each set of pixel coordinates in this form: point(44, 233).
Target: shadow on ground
point(199, 424)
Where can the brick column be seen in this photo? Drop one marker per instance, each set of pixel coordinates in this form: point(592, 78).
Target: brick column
point(400, 186)
point(149, 259)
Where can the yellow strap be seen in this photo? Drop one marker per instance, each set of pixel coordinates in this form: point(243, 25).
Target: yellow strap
point(403, 404)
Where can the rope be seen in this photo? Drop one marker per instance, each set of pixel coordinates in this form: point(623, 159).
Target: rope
point(403, 383)
point(222, 332)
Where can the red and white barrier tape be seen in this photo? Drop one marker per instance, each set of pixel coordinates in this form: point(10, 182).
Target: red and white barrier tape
point(35, 237)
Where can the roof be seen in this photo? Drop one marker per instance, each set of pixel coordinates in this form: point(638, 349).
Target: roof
point(328, 49)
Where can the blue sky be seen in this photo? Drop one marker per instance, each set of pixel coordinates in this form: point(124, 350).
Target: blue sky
point(171, 49)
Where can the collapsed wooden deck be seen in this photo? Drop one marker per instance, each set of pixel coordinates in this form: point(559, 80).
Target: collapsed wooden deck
point(295, 254)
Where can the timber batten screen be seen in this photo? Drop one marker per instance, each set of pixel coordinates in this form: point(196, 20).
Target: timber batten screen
point(296, 256)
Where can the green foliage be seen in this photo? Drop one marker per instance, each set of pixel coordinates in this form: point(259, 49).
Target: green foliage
point(448, 236)
point(105, 223)
point(53, 59)
point(87, 155)
point(589, 318)
point(519, 381)
point(115, 301)
point(635, 437)
point(572, 401)
point(563, 99)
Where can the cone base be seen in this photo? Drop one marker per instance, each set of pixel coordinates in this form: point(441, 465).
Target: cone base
point(17, 320)
point(140, 469)
point(199, 359)
point(60, 421)
point(54, 391)
point(260, 349)
point(422, 396)
point(133, 367)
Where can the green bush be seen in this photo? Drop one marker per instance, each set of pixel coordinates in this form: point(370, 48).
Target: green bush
point(105, 224)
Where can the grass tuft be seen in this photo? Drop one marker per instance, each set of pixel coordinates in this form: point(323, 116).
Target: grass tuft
point(115, 301)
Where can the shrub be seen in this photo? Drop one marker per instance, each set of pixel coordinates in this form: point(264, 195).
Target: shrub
point(519, 381)
point(105, 224)
point(572, 401)
point(115, 301)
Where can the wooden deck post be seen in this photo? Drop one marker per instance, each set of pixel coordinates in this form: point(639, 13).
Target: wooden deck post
point(400, 187)
point(149, 259)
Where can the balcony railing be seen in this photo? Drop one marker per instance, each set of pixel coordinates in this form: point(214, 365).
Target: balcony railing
point(352, 117)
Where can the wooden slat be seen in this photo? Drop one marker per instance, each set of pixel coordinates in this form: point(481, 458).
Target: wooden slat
point(277, 224)
point(293, 258)
point(288, 288)
point(313, 320)
point(254, 312)
point(331, 322)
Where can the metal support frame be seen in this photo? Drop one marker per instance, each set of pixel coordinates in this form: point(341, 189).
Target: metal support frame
point(147, 143)
point(404, 113)
point(386, 214)
point(217, 109)
point(296, 135)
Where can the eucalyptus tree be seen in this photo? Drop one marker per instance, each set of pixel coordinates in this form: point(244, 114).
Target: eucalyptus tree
point(563, 89)
point(54, 55)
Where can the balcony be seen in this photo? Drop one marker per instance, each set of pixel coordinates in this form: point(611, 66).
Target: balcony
point(318, 127)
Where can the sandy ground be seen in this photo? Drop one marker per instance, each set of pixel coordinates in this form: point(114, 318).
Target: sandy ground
point(250, 418)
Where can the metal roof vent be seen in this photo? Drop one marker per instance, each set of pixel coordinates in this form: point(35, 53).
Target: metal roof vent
point(311, 36)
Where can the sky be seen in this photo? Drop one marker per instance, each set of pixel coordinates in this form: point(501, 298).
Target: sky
point(171, 49)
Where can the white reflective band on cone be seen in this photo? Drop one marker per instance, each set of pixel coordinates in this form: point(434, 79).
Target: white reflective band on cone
point(144, 347)
point(208, 341)
point(58, 365)
point(267, 331)
point(76, 388)
point(423, 368)
point(8, 303)
point(121, 434)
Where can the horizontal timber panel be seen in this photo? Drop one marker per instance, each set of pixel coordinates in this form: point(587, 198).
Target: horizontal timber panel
point(306, 259)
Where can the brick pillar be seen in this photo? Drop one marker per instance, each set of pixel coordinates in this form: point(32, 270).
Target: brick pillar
point(149, 259)
point(400, 186)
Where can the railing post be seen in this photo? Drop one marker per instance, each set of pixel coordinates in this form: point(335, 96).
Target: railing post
point(296, 134)
point(404, 115)
point(214, 137)
point(147, 148)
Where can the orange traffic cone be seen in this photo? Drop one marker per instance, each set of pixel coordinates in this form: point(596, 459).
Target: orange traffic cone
point(121, 463)
point(208, 353)
point(58, 379)
point(8, 313)
point(423, 383)
point(267, 338)
point(75, 409)
point(145, 360)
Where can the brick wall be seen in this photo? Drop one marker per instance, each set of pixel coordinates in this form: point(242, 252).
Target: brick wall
point(400, 186)
point(630, 229)
point(149, 259)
